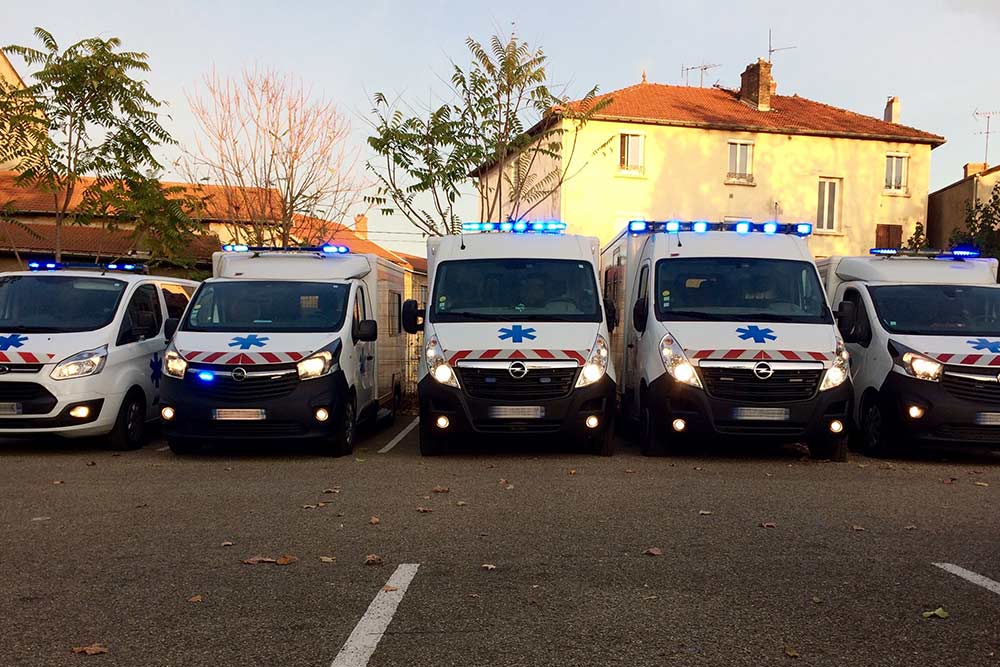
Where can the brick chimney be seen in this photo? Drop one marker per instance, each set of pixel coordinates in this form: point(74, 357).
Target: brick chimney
point(361, 226)
point(891, 114)
point(757, 86)
point(973, 168)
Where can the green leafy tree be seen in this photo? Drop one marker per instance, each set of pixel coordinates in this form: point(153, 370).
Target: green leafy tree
point(982, 225)
point(85, 114)
point(503, 127)
point(919, 239)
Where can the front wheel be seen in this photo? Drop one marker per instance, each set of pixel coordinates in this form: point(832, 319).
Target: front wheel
point(343, 438)
point(129, 431)
point(604, 444)
point(876, 434)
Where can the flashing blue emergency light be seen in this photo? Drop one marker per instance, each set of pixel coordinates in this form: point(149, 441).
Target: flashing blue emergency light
point(673, 226)
point(555, 226)
point(331, 249)
point(770, 228)
point(965, 251)
point(206, 376)
point(884, 252)
point(236, 247)
point(506, 226)
point(538, 226)
point(520, 226)
point(804, 228)
point(638, 226)
point(700, 227)
point(743, 227)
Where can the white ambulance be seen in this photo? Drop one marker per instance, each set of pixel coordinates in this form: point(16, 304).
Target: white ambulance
point(515, 337)
point(924, 336)
point(726, 331)
point(283, 344)
point(81, 347)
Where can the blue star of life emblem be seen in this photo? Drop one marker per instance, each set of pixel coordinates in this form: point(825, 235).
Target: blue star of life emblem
point(155, 369)
point(13, 340)
point(516, 334)
point(984, 344)
point(754, 332)
point(247, 342)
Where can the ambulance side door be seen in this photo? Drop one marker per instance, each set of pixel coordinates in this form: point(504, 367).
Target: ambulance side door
point(860, 342)
point(364, 352)
point(638, 301)
point(140, 342)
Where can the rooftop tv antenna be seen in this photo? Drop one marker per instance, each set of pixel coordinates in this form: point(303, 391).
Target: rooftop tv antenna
point(686, 73)
point(987, 115)
point(771, 50)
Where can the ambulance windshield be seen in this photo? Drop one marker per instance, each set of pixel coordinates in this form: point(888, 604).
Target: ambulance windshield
point(739, 288)
point(504, 290)
point(53, 303)
point(258, 305)
point(938, 310)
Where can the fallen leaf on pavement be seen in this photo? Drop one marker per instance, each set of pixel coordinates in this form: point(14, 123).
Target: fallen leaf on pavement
point(473, 595)
point(650, 597)
point(816, 599)
point(705, 512)
point(887, 466)
point(335, 489)
point(327, 559)
point(653, 551)
point(698, 468)
point(461, 503)
point(389, 589)
point(257, 560)
point(791, 652)
point(509, 487)
point(768, 524)
point(862, 465)
point(227, 544)
point(950, 480)
point(287, 559)
point(910, 527)
point(768, 474)
point(937, 613)
point(196, 598)
point(374, 520)
point(58, 481)
point(360, 460)
point(41, 518)
point(424, 510)
point(309, 507)
point(488, 566)
point(860, 529)
point(629, 471)
point(373, 559)
point(571, 471)
point(93, 649)
point(440, 489)
point(91, 463)
point(981, 483)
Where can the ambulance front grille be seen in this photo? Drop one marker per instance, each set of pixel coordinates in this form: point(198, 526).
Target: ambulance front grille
point(538, 384)
point(740, 384)
point(980, 391)
point(225, 388)
point(33, 398)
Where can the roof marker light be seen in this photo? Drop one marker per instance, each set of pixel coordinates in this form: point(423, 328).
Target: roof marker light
point(673, 226)
point(770, 228)
point(964, 251)
point(520, 226)
point(555, 226)
point(236, 247)
point(700, 227)
point(538, 226)
point(206, 376)
point(804, 229)
point(743, 227)
point(889, 252)
point(638, 226)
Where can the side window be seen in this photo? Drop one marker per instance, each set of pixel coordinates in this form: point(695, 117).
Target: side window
point(395, 312)
point(143, 318)
point(176, 297)
point(862, 326)
point(643, 283)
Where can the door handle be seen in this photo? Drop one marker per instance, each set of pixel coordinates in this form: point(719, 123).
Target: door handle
point(370, 357)
point(630, 345)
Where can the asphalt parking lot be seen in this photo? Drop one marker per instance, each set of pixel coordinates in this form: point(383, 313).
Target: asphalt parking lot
point(492, 556)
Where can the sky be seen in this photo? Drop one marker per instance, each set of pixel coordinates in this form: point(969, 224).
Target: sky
point(939, 56)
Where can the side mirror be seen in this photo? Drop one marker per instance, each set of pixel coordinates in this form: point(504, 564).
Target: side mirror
point(367, 331)
point(412, 317)
point(639, 314)
point(611, 314)
point(170, 327)
point(847, 321)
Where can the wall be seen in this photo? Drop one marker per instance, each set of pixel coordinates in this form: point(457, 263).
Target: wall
point(685, 178)
point(542, 165)
point(946, 207)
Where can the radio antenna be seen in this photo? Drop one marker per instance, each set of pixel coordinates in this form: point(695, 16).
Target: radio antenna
point(987, 115)
point(771, 50)
point(686, 72)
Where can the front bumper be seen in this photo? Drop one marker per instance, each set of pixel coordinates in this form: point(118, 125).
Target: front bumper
point(947, 418)
point(565, 415)
point(45, 405)
point(289, 412)
point(704, 414)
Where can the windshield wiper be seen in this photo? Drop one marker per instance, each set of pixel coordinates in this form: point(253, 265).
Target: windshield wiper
point(694, 315)
point(468, 314)
point(35, 329)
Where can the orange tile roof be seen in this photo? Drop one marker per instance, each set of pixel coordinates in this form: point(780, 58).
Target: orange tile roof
point(87, 241)
point(309, 230)
point(721, 108)
point(418, 263)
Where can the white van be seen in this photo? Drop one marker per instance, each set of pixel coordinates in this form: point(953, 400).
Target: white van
point(924, 337)
point(80, 349)
point(283, 344)
point(515, 337)
point(726, 331)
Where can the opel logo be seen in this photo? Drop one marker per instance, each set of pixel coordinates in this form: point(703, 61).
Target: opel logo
point(4, 370)
point(763, 370)
point(517, 370)
point(239, 374)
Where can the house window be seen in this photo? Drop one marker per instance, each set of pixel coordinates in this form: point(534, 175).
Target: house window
point(740, 161)
point(630, 155)
point(827, 206)
point(896, 172)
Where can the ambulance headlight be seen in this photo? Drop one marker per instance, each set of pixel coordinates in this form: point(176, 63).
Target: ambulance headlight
point(676, 362)
point(174, 365)
point(315, 366)
point(596, 366)
point(922, 368)
point(82, 364)
point(437, 364)
point(837, 374)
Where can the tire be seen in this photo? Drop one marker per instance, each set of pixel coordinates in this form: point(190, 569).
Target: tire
point(431, 444)
point(129, 431)
point(182, 446)
point(604, 444)
point(649, 443)
point(875, 437)
point(342, 441)
point(834, 450)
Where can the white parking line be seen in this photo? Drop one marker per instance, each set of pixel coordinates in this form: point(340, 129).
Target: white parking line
point(969, 575)
point(358, 648)
point(402, 434)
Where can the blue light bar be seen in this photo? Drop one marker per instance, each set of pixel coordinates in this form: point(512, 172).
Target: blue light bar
point(743, 227)
point(700, 227)
point(638, 226)
point(804, 228)
point(964, 251)
point(673, 226)
point(520, 226)
point(888, 252)
point(770, 228)
point(236, 247)
point(517, 227)
point(41, 265)
point(331, 249)
point(206, 376)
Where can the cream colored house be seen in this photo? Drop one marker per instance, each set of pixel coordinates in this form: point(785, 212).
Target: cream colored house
point(679, 152)
point(946, 207)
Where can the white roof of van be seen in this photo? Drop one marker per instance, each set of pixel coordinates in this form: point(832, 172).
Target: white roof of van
point(276, 265)
point(919, 270)
point(731, 244)
point(125, 276)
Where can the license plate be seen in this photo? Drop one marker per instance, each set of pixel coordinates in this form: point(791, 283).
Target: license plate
point(988, 418)
point(761, 414)
point(517, 412)
point(10, 409)
point(238, 414)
